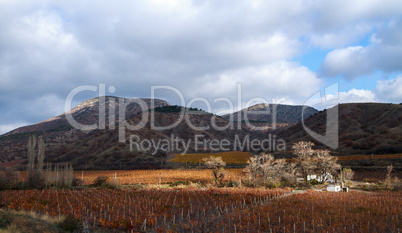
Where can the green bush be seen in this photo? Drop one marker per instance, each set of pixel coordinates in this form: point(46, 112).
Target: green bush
point(231, 184)
point(4, 221)
point(178, 183)
point(314, 182)
point(70, 224)
point(100, 181)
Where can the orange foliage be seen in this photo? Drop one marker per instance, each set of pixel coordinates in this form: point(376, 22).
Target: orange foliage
point(362, 157)
point(216, 210)
point(229, 157)
point(166, 176)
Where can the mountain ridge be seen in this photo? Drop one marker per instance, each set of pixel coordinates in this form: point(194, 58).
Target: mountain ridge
point(364, 128)
point(288, 114)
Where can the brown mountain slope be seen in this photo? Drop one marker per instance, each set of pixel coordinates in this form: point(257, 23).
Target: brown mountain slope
point(364, 128)
point(87, 113)
point(101, 149)
point(58, 130)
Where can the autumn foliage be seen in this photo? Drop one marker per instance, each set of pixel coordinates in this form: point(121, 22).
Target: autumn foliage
point(216, 210)
point(230, 157)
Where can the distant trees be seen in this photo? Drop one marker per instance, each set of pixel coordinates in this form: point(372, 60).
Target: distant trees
point(346, 176)
point(36, 177)
point(304, 157)
point(264, 169)
point(60, 176)
point(217, 165)
point(325, 164)
point(388, 182)
point(311, 161)
point(9, 179)
point(36, 154)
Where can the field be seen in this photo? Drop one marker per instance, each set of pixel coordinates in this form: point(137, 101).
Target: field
point(216, 209)
point(153, 177)
point(153, 206)
point(363, 157)
point(230, 157)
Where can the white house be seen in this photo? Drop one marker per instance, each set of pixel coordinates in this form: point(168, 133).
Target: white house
point(324, 177)
point(333, 188)
point(311, 177)
point(327, 177)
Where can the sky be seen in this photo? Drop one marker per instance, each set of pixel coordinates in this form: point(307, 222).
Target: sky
point(243, 51)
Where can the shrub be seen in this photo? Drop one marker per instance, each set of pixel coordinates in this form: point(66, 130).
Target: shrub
point(314, 182)
point(70, 224)
point(178, 183)
point(4, 221)
point(9, 179)
point(230, 184)
point(77, 182)
point(216, 164)
point(100, 181)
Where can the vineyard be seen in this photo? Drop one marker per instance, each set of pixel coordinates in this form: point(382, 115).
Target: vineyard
point(152, 177)
point(230, 157)
point(216, 210)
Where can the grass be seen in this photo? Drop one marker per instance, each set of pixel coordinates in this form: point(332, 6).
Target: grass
point(12, 221)
point(230, 157)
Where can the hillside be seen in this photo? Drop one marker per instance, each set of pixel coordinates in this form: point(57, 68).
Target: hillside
point(264, 113)
point(364, 128)
point(58, 131)
point(368, 128)
point(101, 148)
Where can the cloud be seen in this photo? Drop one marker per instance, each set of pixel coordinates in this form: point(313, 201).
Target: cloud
point(382, 54)
point(357, 96)
point(389, 91)
point(203, 48)
point(279, 80)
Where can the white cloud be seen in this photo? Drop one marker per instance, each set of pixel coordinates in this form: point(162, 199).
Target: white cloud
point(349, 62)
point(390, 90)
point(384, 54)
point(47, 48)
point(277, 80)
point(357, 96)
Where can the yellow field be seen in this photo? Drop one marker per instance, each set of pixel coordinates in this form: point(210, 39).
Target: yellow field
point(151, 177)
point(362, 157)
point(230, 157)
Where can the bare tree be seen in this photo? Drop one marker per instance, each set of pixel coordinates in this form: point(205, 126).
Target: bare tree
point(41, 157)
point(314, 161)
point(216, 164)
point(304, 159)
point(388, 176)
point(31, 160)
point(347, 174)
point(265, 169)
point(253, 167)
point(36, 155)
point(289, 174)
point(325, 164)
